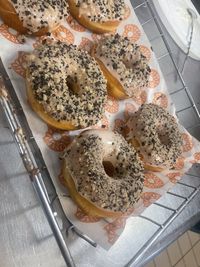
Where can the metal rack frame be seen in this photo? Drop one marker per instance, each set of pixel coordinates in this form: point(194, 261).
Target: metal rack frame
point(40, 177)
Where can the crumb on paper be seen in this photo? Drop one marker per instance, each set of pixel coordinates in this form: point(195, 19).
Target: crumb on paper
point(3, 91)
point(21, 38)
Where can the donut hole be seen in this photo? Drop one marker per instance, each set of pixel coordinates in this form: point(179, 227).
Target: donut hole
point(73, 85)
point(130, 60)
point(109, 168)
point(128, 63)
point(163, 137)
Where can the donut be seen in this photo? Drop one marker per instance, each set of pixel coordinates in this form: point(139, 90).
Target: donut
point(103, 173)
point(124, 66)
point(98, 16)
point(33, 17)
point(65, 86)
point(156, 136)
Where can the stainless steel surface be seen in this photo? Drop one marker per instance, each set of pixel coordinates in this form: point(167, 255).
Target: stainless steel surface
point(21, 246)
point(26, 238)
point(31, 167)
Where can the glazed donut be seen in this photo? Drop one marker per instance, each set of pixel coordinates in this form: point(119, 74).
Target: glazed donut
point(123, 65)
point(33, 17)
point(103, 173)
point(65, 86)
point(156, 136)
point(98, 16)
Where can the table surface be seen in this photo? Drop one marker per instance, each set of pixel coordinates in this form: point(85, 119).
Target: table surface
point(26, 238)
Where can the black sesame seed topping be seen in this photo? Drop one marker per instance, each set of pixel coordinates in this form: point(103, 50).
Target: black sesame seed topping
point(117, 192)
point(38, 14)
point(125, 61)
point(101, 10)
point(68, 83)
point(158, 134)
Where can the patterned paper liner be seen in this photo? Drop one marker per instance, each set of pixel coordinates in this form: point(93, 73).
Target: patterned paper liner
point(105, 232)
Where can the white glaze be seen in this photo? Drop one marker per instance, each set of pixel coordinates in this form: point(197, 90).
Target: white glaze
point(51, 15)
point(84, 159)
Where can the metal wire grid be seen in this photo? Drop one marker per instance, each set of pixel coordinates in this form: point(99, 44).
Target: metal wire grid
point(174, 212)
point(30, 163)
point(39, 175)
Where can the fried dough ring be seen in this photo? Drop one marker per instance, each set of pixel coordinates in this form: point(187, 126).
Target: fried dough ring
point(97, 27)
point(11, 18)
point(87, 206)
point(38, 108)
point(114, 87)
point(147, 167)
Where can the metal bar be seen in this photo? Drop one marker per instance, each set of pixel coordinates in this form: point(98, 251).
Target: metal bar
point(144, 23)
point(80, 234)
point(155, 38)
point(44, 189)
point(15, 126)
point(171, 56)
point(142, 251)
point(143, 4)
point(163, 206)
point(33, 171)
point(181, 89)
point(181, 205)
point(52, 221)
point(177, 195)
point(134, 261)
point(193, 17)
point(161, 57)
point(193, 175)
point(193, 126)
point(192, 100)
point(187, 185)
point(183, 109)
point(150, 220)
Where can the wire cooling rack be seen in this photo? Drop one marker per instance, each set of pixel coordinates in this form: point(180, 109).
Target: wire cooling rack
point(40, 177)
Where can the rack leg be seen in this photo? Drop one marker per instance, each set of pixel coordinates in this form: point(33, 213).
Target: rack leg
point(52, 221)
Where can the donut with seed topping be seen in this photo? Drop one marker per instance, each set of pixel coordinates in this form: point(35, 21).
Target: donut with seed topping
point(103, 173)
point(98, 16)
point(124, 66)
point(156, 136)
point(33, 17)
point(65, 86)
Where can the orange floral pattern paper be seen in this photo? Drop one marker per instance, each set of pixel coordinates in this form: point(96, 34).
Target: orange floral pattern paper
point(56, 140)
point(85, 218)
point(132, 32)
point(9, 34)
point(149, 197)
point(19, 65)
point(152, 181)
point(51, 142)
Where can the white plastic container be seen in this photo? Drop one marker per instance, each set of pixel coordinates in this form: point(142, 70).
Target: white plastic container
point(174, 15)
